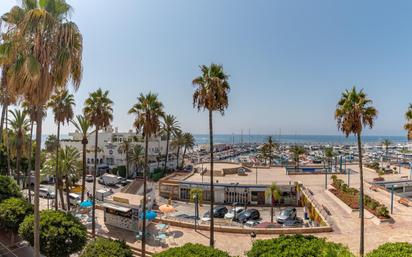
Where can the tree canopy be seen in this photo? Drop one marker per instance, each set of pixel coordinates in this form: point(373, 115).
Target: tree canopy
point(297, 246)
point(61, 234)
point(192, 250)
point(8, 188)
point(12, 213)
point(392, 250)
point(103, 247)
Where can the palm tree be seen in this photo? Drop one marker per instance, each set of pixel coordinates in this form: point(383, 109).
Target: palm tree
point(170, 126)
point(329, 154)
point(274, 193)
point(125, 147)
point(19, 125)
point(70, 168)
point(188, 143)
point(83, 125)
point(61, 104)
point(408, 124)
point(177, 143)
point(136, 156)
point(50, 47)
point(353, 113)
point(99, 111)
point(271, 146)
point(297, 151)
point(148, 111)
point(211, 93)
point(386, 143)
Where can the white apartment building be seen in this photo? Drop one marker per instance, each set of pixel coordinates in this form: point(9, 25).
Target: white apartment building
point(110, 154)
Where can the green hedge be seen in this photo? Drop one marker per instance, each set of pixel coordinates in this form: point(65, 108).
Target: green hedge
point(12, 212)
point(61, 234)
point(297, 246)
point(122, 171)
point(392, 250)
point(157, 174)
point(103, 247)
point(192, 250)
point(8, 188)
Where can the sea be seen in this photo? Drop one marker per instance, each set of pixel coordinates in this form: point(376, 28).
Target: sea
point(298, 139)
point(201, 139)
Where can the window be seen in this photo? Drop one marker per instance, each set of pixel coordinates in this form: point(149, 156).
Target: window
point(88, 160)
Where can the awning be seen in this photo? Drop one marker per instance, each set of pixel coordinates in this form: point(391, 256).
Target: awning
point(115, 207)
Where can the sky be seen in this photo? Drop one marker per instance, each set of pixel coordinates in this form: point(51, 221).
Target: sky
point(288, 61)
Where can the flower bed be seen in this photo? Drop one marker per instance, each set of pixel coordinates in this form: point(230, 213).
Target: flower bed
point(350, 196)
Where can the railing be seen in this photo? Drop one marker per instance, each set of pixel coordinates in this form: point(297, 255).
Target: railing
point(323, 211)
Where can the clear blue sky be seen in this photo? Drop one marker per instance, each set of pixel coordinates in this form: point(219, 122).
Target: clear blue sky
point(288, 60)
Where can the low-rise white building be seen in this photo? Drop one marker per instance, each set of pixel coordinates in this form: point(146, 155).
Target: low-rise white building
point(111, 153)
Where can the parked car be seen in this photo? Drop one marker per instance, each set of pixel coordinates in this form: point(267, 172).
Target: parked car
point(249, 214)
point(74, 199)
point(46, 192)
point(109, 179)
point(233, 212)
point(218, 212)
point(286, 214)
point(252, 223)
point(89, 178)
point(122, 181)
point(295, 223)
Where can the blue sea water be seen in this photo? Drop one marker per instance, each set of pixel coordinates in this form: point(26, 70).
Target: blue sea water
point(297, 139)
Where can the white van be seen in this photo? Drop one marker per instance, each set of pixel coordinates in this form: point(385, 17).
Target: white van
point(46, 192)
point(74, 199)
point(109, 179)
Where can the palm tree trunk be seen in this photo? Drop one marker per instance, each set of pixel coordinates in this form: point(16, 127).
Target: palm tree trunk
point(94, 185)
point(67, 192)
point(127, 162)
point(37, 183)
point(167, 152)
point(361, 210)
point(3, 113)
point(177, 157)
point(18, 157)
point(271, 209)
point(84, 170)
point(8, 144)
point(212, 196)
point(29, 164)
point(58, 182)
point(146, 170)
point(183, 157)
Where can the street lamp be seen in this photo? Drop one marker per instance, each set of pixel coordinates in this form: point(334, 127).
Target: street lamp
point(48, 199)
point(196, 200)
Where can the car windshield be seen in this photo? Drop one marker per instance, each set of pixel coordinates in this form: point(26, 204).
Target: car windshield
point(286, 212)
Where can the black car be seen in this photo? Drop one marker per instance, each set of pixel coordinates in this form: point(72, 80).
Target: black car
point(286, 214)
point(249, 214)
point(218, 212)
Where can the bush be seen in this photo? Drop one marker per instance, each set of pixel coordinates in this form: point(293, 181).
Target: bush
point(297, 246)
point(192, 250)
point(8, 188)
point(103, 247)
point(392, 250)
point(157, 174)
point(383, 211)
point(122, 171)
point(12, 213)
point(61, 234)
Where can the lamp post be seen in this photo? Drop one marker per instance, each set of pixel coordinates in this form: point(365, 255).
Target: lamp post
point(392, 199)
point(196, 200)
point(256, 173)
point(48, 199)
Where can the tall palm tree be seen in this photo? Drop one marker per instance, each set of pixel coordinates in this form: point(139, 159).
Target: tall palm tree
point(137, 157)
point(177, 143)
point(386, 143)
point(271, 146)
point(148, 111)
point(188, 143)
point(408, 124)
point(99, 111)
point(19, 125)
point(297, 151)
point(83, 125)
point(353, 113)
point(274, 193)
point(329, 154)
point(125, 147)
point(211, 93)
point(70, 168)
point(61, 103)
point(50, 47)
point(170, 126)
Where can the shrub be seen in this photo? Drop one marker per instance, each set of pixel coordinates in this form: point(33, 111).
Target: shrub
point(61, 234)
point(122, 171)
point(199, 193)
point(297, 246)
point(8, 188)
point(192, 250)
point(157, 174)
point(382, 211)
point(392, 250)
point(12, 213)
point(103, 247)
